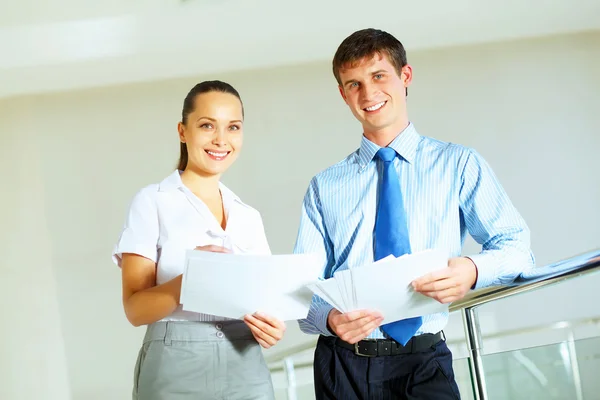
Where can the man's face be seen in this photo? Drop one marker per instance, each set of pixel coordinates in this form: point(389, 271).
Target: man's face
point(376, 94)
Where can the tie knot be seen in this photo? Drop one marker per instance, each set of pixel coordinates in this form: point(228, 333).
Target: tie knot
point(386, 154)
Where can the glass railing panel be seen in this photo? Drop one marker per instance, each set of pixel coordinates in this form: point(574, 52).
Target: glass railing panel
point(588, 360)
point(455, 336)
point(542, 316)
point(567, 370)
point(463, 378)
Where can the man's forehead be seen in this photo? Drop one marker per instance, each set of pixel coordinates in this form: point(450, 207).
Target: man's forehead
point(367, 62)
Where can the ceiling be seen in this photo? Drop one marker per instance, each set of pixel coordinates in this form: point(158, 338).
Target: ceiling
point(71, 44)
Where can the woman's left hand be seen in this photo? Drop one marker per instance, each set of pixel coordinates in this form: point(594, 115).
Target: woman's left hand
point(266, 330)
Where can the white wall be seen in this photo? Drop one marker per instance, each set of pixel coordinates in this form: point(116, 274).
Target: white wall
point(530, 107)
point(33, 364)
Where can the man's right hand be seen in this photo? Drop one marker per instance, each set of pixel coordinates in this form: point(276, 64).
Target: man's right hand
point(354, 326)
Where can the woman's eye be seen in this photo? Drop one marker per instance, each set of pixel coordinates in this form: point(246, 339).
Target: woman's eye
point(206, 126)
point(234, 128)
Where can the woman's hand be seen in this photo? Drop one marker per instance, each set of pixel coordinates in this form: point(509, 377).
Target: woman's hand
point(213, 248)
point(266, 330)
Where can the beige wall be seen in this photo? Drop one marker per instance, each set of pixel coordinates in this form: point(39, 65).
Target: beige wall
point(72, 161)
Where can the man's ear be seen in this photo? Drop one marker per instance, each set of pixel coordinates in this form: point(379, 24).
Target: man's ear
point(341, 89)
point(406, 75)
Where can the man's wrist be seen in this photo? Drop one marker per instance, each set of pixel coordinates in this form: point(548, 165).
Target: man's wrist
point(475, 270)
point(485, 269)
point(327, 323)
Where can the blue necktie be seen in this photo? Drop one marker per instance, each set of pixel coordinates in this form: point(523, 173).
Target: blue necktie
point(391, 235)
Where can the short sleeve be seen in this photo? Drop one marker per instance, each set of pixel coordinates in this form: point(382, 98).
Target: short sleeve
point(141, 230)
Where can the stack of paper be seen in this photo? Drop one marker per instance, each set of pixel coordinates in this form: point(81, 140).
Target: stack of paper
point(385, 286)
point(232, 285)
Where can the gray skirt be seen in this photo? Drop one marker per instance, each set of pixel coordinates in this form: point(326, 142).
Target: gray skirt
point(201, 360)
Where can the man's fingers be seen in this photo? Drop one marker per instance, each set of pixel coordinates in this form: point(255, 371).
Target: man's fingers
point(363, 332)
point(445, 296)
point(437, 286)
point(360, 328)
point(432, 277)
point(364, 321)
point(357, 315)
point(342, 327)
point(354, 323)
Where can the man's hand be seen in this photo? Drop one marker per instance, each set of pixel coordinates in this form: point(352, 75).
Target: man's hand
point(449, 284)
point(354, 326)
point(266, 330)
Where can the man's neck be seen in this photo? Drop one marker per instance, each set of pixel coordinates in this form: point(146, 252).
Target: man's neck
point(383, 137)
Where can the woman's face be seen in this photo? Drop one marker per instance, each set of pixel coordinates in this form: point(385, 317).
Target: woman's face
point(213, 133)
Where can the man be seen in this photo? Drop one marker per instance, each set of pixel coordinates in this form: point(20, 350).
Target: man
point(400, 192)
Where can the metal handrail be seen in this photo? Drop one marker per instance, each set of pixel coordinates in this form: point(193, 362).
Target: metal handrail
point(532, 279)
point(557, 272)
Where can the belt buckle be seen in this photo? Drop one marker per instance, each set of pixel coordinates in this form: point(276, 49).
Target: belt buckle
point(358, 353)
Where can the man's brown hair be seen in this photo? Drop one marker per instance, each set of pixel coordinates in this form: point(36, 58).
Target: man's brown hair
point(367, 43)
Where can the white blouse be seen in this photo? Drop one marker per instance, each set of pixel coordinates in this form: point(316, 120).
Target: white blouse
point(167, 219)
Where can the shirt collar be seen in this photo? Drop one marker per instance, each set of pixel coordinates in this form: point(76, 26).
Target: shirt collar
point(173, 182)
point(405, 145)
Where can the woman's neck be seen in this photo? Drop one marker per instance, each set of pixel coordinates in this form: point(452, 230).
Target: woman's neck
point(203, 186)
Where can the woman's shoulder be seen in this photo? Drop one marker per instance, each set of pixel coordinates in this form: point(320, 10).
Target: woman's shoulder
point(151, 190)
point(144, 199)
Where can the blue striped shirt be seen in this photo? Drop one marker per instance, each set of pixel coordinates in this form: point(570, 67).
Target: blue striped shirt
point(449, 190)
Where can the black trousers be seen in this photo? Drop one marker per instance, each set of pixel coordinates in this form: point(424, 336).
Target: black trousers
point(342, 375)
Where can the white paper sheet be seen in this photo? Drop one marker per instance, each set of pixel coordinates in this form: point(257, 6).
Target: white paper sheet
point(385, 286)
point(329, 291)
point(232, 285)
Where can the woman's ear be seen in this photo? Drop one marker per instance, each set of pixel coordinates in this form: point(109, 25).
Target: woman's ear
point(181, 130)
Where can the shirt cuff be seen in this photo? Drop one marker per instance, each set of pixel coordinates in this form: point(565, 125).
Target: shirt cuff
point(321, 315)
point(486, 269)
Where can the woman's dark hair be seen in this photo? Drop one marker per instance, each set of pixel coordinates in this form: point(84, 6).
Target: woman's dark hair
point(189, 104)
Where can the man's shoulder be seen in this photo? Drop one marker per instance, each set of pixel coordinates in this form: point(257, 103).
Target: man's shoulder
point(432, 144)
point(436, 149)
point(340, 170)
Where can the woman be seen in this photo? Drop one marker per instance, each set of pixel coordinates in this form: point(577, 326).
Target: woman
point(188, 355)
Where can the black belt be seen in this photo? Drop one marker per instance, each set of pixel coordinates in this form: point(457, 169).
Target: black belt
point(389, 347)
